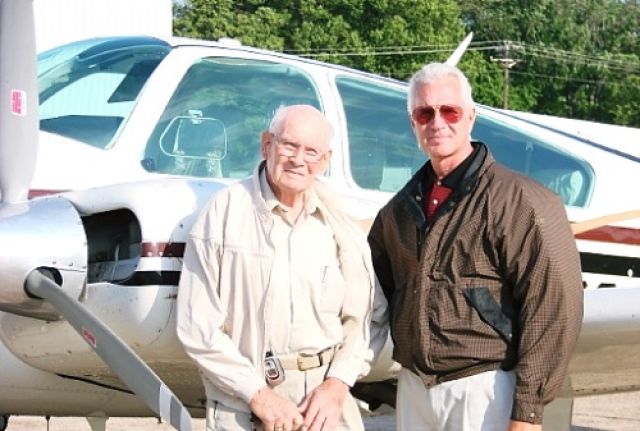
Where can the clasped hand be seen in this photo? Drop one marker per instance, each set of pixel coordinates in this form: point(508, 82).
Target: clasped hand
point(320, 410)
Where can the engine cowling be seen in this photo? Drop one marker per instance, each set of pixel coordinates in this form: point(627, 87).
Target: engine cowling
point(46, 232)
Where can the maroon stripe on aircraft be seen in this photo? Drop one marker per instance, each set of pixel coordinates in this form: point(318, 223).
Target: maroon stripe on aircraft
point(34, 193)
point(163, 249)
point(618, 235)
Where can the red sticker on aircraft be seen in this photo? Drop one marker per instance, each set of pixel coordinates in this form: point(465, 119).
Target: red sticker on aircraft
point(18, 102)
point(89, 337)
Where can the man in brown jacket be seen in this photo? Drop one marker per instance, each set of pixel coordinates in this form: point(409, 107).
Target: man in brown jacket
point(482, 276)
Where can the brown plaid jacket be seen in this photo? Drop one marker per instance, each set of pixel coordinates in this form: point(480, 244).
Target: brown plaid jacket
point(492, 282)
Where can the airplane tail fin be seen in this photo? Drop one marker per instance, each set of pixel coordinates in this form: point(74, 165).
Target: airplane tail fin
point(455, 57)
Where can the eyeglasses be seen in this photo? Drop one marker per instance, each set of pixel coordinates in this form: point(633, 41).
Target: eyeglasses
point(423, 115)
point(309, 155)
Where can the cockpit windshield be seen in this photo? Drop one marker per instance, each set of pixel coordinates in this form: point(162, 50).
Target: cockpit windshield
point(88, 89)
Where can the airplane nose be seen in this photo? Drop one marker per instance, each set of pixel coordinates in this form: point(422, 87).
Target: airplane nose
point(40, 233)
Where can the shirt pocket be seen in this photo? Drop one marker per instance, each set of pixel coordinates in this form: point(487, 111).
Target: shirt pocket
point(329, 292)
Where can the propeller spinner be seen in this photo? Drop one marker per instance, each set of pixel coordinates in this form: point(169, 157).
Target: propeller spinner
point(41, 283)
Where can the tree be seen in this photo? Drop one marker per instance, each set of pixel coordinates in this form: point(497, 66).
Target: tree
point(374, 35)
point(577, 58)
point(249, 21)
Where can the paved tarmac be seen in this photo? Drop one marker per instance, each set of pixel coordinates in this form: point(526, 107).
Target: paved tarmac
point(616, 412)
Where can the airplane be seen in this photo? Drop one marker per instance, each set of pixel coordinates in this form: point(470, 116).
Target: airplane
point(600, 133)
point(137, 133)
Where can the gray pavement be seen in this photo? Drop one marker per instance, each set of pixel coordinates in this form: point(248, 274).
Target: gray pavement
point(616, 412)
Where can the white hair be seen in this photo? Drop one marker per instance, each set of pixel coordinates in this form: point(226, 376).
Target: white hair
point(277, 121)
point(432, 72)
point(275, 125)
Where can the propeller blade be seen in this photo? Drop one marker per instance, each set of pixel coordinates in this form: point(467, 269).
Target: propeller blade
point(127, 365)
point(18, 99)
point(460, 50)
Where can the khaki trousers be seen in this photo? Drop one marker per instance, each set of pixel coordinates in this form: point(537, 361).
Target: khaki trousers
point(476, 403)
point(295, 387)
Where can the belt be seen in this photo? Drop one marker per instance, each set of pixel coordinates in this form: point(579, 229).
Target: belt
point(306, 361)
point(431, 380)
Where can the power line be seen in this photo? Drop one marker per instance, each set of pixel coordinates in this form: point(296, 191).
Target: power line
point(577, 58)
point(564, 78)
point(389, 50)
point(401, 75)
point(551, 54)
point(377, 53)
point(399, 48)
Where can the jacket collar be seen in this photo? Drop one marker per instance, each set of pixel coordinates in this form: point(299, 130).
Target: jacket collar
point(456, 176)
point(465, 179)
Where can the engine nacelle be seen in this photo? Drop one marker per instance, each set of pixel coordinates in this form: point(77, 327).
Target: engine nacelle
point(46, 232)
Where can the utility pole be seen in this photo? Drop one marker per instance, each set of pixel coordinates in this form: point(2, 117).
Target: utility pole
point(505, 62)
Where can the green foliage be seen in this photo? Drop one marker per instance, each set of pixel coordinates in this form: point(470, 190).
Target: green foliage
point(369, 35)
point(575, 58)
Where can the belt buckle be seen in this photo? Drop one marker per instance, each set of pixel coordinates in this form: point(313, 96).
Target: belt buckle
point(304, 360)
point(319, 359)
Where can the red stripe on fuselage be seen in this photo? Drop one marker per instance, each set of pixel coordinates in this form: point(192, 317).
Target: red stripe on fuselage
point(163, 249)
point(34, 193)
point(615, 234)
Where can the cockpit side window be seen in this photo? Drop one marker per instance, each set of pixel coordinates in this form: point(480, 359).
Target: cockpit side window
point(569, 177)
point(383, 153)
point(211, 126)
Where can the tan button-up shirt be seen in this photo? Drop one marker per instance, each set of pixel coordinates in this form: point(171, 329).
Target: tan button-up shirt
point(306, 284)
point(252, 282)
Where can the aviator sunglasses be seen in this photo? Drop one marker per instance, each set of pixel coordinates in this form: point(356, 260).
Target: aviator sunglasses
point(451, 114)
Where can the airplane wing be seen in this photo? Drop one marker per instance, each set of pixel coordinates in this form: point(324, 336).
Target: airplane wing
point(605, 220)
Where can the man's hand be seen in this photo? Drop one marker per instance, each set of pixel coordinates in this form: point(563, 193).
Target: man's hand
point(524, 426)
point(322, 408)
point(275, 412)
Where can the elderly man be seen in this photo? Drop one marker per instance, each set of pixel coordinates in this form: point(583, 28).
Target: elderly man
point(276, 291)
point(482, 273)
